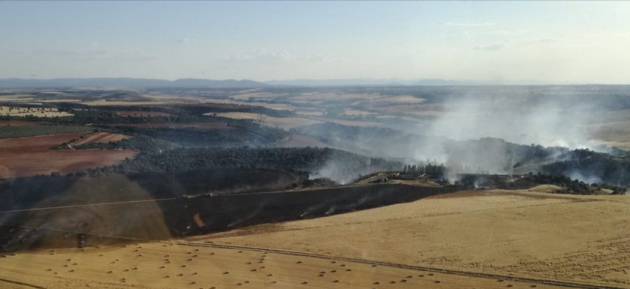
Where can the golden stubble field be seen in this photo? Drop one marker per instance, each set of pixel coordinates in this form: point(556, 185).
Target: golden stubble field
point(205, 265)
point(489, 239)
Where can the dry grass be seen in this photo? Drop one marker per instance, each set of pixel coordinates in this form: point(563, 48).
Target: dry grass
point(560, 237)
point(283, 122)
point(99, 137)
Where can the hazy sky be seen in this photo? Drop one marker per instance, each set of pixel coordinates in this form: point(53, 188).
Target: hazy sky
point(574, 42)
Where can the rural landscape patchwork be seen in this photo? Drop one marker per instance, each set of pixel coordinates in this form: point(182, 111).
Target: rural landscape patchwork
point(302, 145)
point(298, 187)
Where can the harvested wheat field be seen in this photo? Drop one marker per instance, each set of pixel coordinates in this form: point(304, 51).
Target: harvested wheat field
point(29, 156)
point(578, 239)
point(204, 265)
point(283, 122)
point(494, 239)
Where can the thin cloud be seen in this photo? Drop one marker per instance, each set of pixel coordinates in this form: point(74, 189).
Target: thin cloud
point(490, 47)
point(469, 24)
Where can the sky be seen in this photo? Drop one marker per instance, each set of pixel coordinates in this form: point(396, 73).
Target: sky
point(498, 42)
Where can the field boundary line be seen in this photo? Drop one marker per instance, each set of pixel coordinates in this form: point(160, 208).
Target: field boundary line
point(114, 203)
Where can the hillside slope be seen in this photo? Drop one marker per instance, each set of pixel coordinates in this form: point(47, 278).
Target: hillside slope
point(481, 239)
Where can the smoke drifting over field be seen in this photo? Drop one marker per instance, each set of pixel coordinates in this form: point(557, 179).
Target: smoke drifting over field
point(557, 130)
point(343, 168)
point(546, 122)
point(517, 117)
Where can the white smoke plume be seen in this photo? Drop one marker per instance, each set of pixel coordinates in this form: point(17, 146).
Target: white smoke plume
point(522, 119)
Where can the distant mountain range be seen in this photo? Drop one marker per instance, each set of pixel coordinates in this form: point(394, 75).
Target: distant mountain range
point(126, 83)
point(208, 83)
point(365, 82)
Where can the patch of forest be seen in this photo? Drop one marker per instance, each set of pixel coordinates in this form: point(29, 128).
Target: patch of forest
point(293, 159)
point(195, 171)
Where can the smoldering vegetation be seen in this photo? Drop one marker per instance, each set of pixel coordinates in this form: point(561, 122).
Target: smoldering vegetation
point(310, 161)
point(496, 130)
point(496, 156)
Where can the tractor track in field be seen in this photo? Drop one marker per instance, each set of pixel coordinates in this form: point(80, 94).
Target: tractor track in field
point(21, 283)
point(405, 266)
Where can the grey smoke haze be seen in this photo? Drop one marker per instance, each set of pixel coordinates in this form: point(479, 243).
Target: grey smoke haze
point(471, 129)
point(344, 170)
point(500, 120)
point(524, 120)
point(520, 119)
point(586, 177)
point(335, 170)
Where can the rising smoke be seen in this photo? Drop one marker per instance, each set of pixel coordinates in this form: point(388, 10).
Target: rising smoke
point(515, 118)
point(490, 130)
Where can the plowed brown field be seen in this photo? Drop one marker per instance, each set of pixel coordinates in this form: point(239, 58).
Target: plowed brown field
point(30, 156)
